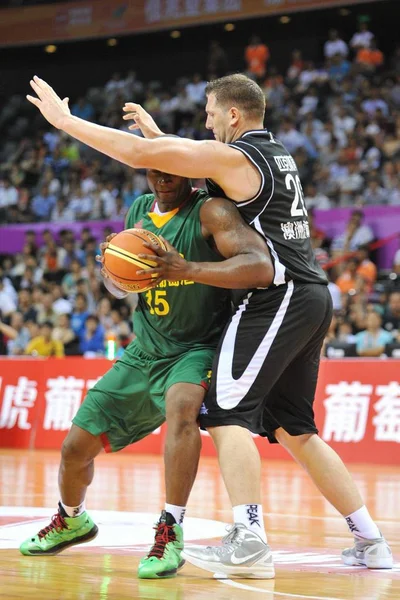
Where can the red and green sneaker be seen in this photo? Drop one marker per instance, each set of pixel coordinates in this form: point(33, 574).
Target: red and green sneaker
point(164, 559)
point(62, 532)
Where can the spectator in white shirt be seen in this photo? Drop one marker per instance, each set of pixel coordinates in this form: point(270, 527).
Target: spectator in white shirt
point(374, 102)
point(62, 211)
point(394, 195)
point(8, 194)
point(289, 136)
point(362, 38)
point(7, 304)
point(355, 235)
point(343, 122)
point(350, 184)
point(196, 89)
point(314, 199)
point(375, 194)
point(335, 45)
point(80, 204)
point(107, 196)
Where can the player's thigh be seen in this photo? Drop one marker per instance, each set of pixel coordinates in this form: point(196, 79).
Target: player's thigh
point(186, 379)
point(289, 405)
point(251, 357)
point(121, 408)
point(265, 336)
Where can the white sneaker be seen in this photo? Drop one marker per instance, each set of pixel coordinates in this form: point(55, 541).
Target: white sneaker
point(242, 554)
point(374, 554)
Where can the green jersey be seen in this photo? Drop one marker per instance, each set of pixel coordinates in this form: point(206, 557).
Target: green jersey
point(177, 316)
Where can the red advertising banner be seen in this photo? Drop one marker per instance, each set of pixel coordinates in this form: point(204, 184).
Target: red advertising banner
point(357, 407)
point(101, 18)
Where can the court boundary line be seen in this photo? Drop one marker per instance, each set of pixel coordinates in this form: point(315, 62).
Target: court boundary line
point(250, 588)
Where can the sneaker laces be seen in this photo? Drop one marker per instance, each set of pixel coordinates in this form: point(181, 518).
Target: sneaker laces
point(164, 534)
point(57, 522)
point(234, 532)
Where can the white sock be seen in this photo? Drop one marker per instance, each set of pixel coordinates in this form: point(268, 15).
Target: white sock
point(74, 511)
point(178, 512)
point(251, 515)
point(361, 523)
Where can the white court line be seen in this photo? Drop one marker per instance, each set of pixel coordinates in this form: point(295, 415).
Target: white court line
point(250, 588)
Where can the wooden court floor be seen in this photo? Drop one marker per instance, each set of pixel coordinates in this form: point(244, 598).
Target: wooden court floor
point(305, 533)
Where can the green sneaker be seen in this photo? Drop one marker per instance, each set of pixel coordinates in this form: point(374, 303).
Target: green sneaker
point(62, 532)
point(164, 559)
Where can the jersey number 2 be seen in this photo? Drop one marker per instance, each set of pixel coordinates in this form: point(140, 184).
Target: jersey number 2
point(298, 206)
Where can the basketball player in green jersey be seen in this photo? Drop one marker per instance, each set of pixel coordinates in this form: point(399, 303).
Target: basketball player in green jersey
point(163, 374)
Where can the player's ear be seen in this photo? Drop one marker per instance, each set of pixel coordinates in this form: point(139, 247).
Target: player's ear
point(234, 115)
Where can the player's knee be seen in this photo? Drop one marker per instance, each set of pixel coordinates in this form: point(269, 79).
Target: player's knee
point(181, 413)
point(76, 449)
point(291, 441)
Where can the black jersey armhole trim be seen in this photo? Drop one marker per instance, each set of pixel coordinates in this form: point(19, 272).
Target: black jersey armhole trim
point(262, 184)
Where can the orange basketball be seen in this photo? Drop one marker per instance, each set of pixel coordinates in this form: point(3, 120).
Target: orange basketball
point(121, 260)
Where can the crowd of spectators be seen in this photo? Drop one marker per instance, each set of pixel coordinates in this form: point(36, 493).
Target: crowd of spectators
point(340, 119)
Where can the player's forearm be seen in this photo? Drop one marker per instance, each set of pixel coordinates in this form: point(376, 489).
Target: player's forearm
point(242, 271)
point(116, 144)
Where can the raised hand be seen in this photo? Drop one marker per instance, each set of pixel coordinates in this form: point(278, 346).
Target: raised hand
point(50, 105)
point(141, 120)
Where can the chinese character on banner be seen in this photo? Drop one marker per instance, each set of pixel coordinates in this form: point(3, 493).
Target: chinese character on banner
point(346, 411)
point(172, 9)
point(63, 398)
point(192, 8)
point(152, 11)
point(17, 401)
point(211, 6)
point(387, 419)
point(232, 5)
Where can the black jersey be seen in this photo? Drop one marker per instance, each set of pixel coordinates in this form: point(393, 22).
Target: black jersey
point(277, 211)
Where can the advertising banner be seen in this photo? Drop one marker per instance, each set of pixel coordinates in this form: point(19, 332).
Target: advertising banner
point(357, 407)
point(101, 18)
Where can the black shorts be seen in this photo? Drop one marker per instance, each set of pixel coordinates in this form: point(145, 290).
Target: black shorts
point(266, 368)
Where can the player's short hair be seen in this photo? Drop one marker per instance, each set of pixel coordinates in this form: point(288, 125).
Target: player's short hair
point(238, 90)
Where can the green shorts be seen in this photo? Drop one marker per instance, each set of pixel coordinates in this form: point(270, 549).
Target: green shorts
point(128, 402)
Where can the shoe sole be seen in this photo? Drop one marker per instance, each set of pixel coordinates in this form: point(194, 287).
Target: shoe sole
point(91, 535)
point(381, 563)
point(252, 572)
point(166, 574)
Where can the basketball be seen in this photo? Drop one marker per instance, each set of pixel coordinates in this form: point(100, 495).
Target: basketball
point(121, 260)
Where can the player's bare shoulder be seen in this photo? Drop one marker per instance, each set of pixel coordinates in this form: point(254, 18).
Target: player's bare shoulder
point(219, 214)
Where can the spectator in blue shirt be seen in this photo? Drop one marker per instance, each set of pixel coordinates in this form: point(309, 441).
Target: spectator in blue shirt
point(92, 337)
point(339, 68)
point(83, 109)
point(43, 203)
point(372, 341)
point(80, 314)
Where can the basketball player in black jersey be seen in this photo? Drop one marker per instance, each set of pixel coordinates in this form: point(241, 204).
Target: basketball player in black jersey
point(265, 374)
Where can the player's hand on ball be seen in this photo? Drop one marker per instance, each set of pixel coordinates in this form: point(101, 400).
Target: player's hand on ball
point(170, 264)
point(100, 257)
point(50, 105)
point(141, 120)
